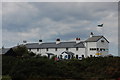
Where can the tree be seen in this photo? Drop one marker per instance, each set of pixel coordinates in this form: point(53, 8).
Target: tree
point(21, 50)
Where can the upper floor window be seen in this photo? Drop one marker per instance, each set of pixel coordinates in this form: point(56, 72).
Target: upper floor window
point(47, 49)
point(92, 48)
point(37, 49)
point(102, 41)
point(97, 49)
point(76, 48)
point(55, 49)
point(66, 49)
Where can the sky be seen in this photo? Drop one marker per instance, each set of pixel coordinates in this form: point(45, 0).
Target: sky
point(32, 21)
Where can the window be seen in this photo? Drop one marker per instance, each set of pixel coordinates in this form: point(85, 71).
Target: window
point(76, 56)
point(90, 55)
point(37, 49)
point(97, 49)
point(65, 57)
point(103, 49)
point(66, 49)
point(100, 49)
point(55, 49)
point(82, 56)
point(76, 48)
point(92, 49)
point(30, 49)
point(68, 56)
point(46, 49)
point(60, 56)
point(102, 41)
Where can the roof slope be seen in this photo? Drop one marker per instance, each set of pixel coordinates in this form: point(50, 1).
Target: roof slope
point(95, 39)
point(54, 45)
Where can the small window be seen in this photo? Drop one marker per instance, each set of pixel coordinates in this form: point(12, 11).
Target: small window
point(55, 49)
point(60, 56)
point(37, 49)
point(76, 56)
point(102, 41)
point(68, 56)
point(65, 57)
point(90, 55)
point(76, 48)
point(82, 56)
point(100, 49)
point(92, 49)
point(97, 49)
point(46, 49)
point(30, 49)
point(66, 49)
point(104, 49)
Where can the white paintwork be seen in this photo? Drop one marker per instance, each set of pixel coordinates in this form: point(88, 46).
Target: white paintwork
point(104, 45)
point(99, 45)
point(81, 51)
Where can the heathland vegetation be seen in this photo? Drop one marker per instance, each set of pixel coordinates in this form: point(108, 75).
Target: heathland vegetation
point(25, 65)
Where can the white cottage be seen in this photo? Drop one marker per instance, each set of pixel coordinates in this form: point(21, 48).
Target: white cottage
point(93, 46)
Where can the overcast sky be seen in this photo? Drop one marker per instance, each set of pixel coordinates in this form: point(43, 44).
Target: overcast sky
point(34, 20)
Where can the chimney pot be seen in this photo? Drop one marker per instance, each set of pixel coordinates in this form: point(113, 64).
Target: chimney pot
point(57, 41)
point(77, 40)
point(40, 41)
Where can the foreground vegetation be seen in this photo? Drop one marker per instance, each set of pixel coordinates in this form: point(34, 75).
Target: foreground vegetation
point(32, 67)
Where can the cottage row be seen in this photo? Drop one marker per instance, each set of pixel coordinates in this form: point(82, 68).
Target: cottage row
point(93, 46)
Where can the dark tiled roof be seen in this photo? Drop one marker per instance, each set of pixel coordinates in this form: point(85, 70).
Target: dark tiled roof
point(54, 45)
point(32, 45)
point(69, 53)
point(95, 39)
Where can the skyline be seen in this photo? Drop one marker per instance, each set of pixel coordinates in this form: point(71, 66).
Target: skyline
point(32, 21)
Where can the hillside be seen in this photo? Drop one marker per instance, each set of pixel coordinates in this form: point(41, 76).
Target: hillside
point(42, 68)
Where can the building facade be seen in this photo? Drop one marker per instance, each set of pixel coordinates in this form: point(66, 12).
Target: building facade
point(93, 46)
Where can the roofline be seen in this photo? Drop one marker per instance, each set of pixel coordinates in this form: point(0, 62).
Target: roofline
point(98, 39)
point(56, 47)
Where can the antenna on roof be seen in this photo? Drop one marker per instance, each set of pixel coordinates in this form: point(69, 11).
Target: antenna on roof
point(91, 34)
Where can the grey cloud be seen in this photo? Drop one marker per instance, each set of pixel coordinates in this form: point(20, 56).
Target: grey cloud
point(32, 21)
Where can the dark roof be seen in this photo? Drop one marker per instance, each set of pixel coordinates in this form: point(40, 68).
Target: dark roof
point(69, 53)
point(95, 39)
point(54, 45)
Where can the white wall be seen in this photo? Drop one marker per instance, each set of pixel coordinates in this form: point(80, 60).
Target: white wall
point(80, 52)
point(90, 45)
point(104, 45)
point(97, 44)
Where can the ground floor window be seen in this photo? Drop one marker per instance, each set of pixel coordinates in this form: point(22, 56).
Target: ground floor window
point(76, 56)
point(29, 49)
point(60, 57)
point(68, 56)
point(82, 56)
point(91, 56)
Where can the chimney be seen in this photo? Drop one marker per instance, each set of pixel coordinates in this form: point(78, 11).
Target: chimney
point(77, 40)
point(91, 34)
point(57, 41)
point(40, 41)
point(24, 42)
